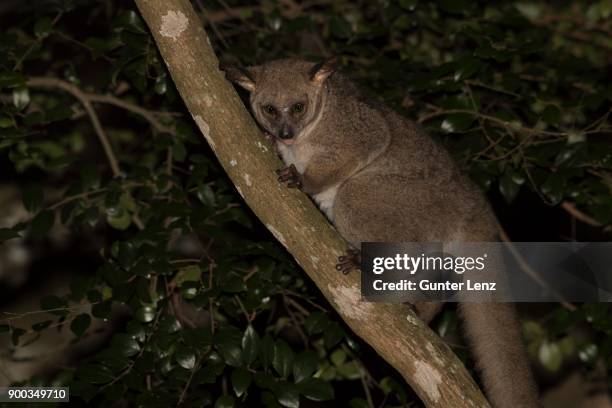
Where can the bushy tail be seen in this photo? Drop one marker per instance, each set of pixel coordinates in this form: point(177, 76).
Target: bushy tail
point(494, 333)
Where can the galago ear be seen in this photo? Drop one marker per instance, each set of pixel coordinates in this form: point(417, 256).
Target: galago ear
point(241, 76)
point(321, 71)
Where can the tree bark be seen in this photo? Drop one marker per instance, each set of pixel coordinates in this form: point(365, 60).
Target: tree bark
point(393, 330)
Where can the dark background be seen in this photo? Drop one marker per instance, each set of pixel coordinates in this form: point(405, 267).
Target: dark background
point(136, 267)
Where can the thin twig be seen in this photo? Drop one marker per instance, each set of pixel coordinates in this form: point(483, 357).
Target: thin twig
point(366, 389)
point(298, 295)
point(86, 102)
point(506, 124)
point(297, 305)
point(243, 309)
point(69, 199)
point(530, 271)
point(147, 115)
point(20, 315)
point(296, 324)
point(188, 383)
point(579, 215)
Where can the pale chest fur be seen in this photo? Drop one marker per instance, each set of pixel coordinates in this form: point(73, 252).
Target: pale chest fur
point(299, 155)
point(326, 199)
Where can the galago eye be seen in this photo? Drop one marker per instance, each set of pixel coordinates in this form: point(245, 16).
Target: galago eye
point(269, 109)
point(298, 107)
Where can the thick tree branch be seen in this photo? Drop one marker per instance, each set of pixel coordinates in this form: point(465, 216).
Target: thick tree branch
point(393, 330)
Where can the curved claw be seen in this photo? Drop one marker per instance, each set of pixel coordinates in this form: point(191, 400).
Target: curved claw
point(290, 176)
point(350, 261)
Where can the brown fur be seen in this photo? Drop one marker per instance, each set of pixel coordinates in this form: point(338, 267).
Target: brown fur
point(379, 177)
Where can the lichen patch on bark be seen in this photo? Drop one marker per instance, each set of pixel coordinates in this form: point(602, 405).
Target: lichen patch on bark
point(173, 24)
point(205, 129)
point(247, 179)
point(429, 378)
point(348, 299)
point(276, 234)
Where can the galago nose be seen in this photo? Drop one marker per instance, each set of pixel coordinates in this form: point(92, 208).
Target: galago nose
point(285, 133)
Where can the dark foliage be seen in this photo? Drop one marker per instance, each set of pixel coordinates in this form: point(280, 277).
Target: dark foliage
point(520, 92)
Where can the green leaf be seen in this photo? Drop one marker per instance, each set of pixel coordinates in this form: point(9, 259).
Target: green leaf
point(41, 325)
point(233, 284)
point(169, 324)
point(7, 233)
point(339, 27)
point(145, 314)
point(102, 310)
point(551, 114)
point(52, 302)
point(588, 353)
point(224, 401)
point(467, 68)
point(316, 389)
point(206, 195)
point(118, 218)
point(228, 341)
point(79, 285)
point(283, 358)
point(305, 365)
point(338, 357)
point(42, 223)
point(127, 254)
point(136, 330)
point(508, 187)
point(530, 10)
point(43, 27)
point(34, 118)
point(554, 188)
point(454, 6)
point(250, 345)
point(264, 380)
point(457, 122)
point(533, 331)
point(32, 197)
point(409, 5)
point(332, 335)
point(567, 346)
point(191, 273)
point(125, 345)
point(448, 324)
point(350, 370)
point(241, 379)
point(95, 374)
point(131, 20)
point(100, 46)
point(161, 85)
point(316, 323)
point(179, 153)
point(80, 324)
point(11, 79)
point(287, 395)
point(185, 357)
point(189, 291)
point(6, 122)
point(358, 403)
point(550, 356)
point(21, 97)
point(574, 136)
point(267, 351)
